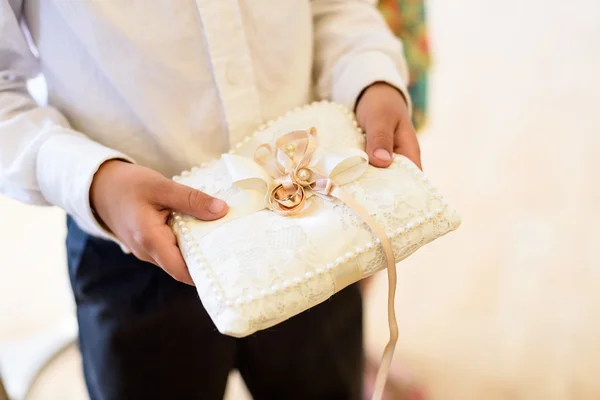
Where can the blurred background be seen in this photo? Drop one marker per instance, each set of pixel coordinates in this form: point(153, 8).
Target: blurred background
point(507, 307)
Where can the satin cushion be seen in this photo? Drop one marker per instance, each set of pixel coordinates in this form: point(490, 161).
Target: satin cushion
point(256, 268)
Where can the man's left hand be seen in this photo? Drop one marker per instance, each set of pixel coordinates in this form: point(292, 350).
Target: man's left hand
point(382, 113)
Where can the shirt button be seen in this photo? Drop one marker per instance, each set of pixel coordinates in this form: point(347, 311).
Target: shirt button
point(234, 74)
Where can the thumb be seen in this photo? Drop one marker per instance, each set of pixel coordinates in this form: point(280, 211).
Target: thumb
point(380, 143)
point(193, 202)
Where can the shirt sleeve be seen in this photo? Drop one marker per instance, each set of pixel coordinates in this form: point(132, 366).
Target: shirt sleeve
point(42, 160)
point(355, 48)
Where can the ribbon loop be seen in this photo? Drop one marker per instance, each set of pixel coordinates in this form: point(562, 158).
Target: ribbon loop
point(247, 174)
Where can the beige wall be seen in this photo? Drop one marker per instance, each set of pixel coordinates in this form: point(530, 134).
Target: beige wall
point(507, 305)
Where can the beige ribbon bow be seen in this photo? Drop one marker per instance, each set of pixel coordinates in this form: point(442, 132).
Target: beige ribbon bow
point(291, 172)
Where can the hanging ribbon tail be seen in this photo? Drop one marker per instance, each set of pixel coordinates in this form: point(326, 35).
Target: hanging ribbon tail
point(388, 354)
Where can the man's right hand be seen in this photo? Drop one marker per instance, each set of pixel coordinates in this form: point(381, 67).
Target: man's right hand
point(134, 202)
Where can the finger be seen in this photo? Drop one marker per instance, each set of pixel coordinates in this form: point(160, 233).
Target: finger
point(407, 144)
point(140, 244)
point(141, 254)
point(380, 141)
point(191, 201)
point(163, 249)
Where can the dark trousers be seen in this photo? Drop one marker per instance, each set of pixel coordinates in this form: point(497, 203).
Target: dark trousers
point(145, 336)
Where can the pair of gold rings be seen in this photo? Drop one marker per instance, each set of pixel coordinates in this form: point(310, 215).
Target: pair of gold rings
point(284, 199)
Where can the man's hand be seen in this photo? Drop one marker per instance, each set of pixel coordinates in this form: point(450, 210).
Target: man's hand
point(134, 202)
point(383, 114)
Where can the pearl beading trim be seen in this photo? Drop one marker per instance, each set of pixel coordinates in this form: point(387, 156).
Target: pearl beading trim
point(180, 226)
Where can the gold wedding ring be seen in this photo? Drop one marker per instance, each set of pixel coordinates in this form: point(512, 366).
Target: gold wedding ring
point(287, 198)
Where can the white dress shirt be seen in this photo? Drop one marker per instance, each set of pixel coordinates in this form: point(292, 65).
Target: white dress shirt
point(168, 83)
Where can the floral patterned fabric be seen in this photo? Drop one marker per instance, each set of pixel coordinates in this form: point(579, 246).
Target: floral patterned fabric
point(407, 20)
